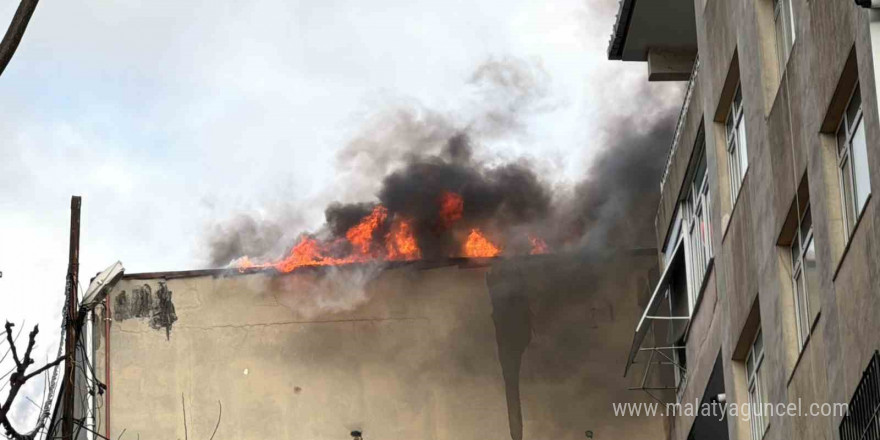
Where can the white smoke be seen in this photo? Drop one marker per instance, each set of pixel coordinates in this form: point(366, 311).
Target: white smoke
point(327, 290)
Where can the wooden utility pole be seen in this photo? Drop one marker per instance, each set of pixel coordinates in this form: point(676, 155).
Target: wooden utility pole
point(70, 340)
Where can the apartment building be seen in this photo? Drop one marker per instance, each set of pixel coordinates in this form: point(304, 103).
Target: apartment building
point(768, 234)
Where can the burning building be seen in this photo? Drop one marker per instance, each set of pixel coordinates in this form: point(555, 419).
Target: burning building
point(468, 299)
point(462, 348)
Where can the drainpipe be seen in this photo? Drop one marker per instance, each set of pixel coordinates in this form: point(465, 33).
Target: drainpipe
point(873, 7)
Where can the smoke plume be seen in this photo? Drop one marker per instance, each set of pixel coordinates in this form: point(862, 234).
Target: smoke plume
point(415, 161)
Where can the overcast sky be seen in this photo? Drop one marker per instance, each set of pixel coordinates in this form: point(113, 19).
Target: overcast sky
point(168, 116)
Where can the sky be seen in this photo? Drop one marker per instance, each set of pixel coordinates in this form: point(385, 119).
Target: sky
point(168, 117)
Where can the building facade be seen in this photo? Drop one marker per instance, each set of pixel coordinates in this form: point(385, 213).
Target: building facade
point(462, 349)
point(768, 233)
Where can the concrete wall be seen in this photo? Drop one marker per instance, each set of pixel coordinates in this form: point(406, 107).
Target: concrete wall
point(519, 349)
point(785, 112)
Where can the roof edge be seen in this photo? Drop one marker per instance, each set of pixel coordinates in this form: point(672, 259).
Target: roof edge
point(620, 30)
point(232, 272)
point(461, 262)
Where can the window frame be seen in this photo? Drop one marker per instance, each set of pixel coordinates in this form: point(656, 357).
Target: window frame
point(784, 10)
point(755, 387)
point(846, 167)
point(801, 245)
point(697, 223)
point(736, 144)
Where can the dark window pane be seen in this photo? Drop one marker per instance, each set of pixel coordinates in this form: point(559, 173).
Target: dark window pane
point(853, 108)
point(806, 225)
point(759, 344)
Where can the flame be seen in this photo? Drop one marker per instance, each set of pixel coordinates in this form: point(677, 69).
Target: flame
point(309, 252)
point(361, 235)
point(245, 263)
point(479, 246)
point(451, 208)
point(539, 246)
point(400, 243)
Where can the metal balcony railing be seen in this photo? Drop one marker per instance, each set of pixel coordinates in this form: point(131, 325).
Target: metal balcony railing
point(862, 420)
point(681, 115)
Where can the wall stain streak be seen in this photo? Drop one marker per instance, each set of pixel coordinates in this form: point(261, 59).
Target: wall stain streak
point(143, 303)
point(513, 332)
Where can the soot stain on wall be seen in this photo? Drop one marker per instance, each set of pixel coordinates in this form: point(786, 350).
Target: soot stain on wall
point(512, 317)
point(143, 303)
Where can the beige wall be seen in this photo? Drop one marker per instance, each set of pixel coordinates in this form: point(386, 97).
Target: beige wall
point(399, 353)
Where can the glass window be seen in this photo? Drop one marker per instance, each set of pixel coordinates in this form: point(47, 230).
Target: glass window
point(757, 394)
point(672, 240)
point(804, 276)
point(737, 151)
point(699, 229)
point(852, 163)
point(783, 21)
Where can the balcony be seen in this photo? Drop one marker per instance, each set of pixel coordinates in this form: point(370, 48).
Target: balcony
point(681, 117)
point(660, 32)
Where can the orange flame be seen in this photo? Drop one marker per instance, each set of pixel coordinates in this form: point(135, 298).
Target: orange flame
point(451, 208)
point(309, 252)
point(539, 246)
point(479, 246)
point(361, 235)
point(400, 243)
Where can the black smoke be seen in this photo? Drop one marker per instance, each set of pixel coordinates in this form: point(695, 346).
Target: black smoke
point(413, 157)
point(557, 318)
point(615, 205)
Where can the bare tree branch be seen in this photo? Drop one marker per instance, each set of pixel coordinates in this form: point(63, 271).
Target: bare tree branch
point(16, 30)
point(19, 377)
point(14, 340)
point(32, 339)
point(9, 326)
point(44, 368)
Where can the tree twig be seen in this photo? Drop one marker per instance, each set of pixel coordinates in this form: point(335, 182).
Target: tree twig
point(13, 343)
point(9, 326)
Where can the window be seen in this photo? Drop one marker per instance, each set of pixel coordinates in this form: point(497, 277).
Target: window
point(679, 354)
point(692, 225)
point(783, 22)
point(803, 271)
point(737, 152)
point(852, 162)
point(757, 395)
point(697, 207)
point(674, 236)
